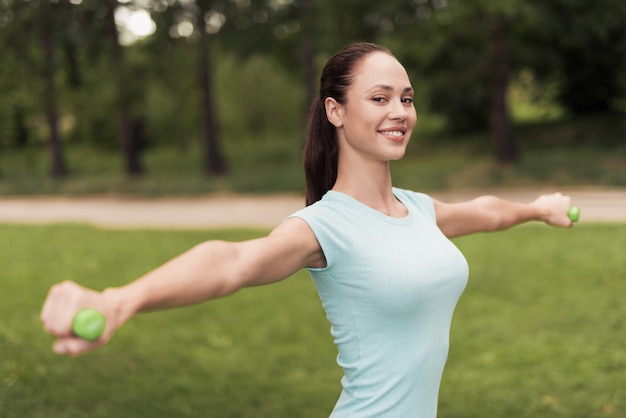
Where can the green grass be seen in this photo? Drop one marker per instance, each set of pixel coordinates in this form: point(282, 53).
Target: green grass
point(586, 152)
point(539, 332)
point(262, 352)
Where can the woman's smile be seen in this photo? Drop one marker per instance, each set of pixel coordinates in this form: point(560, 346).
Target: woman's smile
point(394, 134)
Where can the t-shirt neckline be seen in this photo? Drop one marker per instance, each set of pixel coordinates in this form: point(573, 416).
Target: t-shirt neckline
point(390, 219)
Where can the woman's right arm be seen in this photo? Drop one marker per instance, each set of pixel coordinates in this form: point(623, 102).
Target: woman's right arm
point(209, 270)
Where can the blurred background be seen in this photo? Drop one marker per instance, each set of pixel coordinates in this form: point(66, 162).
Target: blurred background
point(160, 97)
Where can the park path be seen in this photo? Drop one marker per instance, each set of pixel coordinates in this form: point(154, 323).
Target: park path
point(264, 211)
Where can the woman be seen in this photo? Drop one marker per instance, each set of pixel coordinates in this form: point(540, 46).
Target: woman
point(385, 270)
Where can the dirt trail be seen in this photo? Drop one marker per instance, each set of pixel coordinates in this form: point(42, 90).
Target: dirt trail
point(597, 205)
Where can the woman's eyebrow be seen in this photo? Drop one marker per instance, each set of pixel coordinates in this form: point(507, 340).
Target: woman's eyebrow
point(387, 87)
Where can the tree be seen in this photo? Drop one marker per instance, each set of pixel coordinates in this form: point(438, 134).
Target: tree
point(307, 50)
point(577, 42)
point(464, 59)
point(30, 37)
point(505, 144)
point(48, 14)
point(214, 160)
point(128, 136)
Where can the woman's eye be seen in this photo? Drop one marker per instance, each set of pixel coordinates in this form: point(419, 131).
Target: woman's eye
point(379, 99)
point(407, 100)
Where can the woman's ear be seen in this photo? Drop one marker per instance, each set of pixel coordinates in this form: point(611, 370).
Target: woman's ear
point(334, 112)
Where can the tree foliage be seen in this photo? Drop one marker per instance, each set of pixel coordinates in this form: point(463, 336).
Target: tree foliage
point(220, 69)
point(580, 43)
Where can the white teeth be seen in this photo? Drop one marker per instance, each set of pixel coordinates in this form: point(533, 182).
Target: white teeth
point(392, 133)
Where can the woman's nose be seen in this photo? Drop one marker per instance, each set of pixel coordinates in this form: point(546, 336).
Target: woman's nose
point(398, 111)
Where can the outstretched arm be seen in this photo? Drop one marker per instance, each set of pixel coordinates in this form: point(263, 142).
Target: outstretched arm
point(490, 213)
point(210, 270)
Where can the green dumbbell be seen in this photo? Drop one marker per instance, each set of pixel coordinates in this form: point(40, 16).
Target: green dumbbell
point(573, 213)
point(88, 324)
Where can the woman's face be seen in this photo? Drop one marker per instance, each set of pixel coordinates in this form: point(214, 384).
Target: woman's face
point(378, 116)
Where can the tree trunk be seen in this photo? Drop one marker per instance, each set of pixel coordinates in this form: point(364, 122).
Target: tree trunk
point(504, 141)
point(20, 130)
point(58, 166)
point(130, 145)
point(213, 159)
point(307, 49)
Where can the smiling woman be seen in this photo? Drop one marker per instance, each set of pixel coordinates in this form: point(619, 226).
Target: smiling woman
point(380, 257)
point(133, 24)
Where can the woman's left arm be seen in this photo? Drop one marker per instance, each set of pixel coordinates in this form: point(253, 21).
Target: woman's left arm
point(490, 213)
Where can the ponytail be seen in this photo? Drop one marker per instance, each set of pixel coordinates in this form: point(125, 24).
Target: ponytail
point(320, 153)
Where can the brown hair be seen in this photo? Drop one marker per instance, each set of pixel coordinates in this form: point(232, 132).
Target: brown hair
point(321, 150)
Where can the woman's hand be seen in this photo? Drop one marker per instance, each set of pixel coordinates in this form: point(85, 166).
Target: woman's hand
point(63, 302)
point(554, 209)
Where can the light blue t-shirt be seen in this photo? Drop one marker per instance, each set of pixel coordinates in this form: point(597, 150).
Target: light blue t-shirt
point(389, 291)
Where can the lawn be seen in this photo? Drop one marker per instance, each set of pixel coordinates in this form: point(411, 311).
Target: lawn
point(539, 332)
